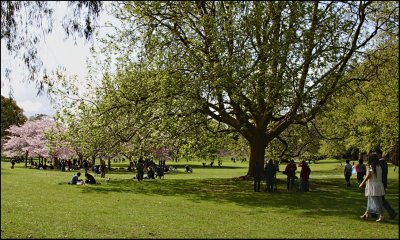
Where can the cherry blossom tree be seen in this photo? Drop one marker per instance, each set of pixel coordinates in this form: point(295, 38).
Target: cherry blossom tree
point(32, 140)
point(163, 153)
point(58, 144)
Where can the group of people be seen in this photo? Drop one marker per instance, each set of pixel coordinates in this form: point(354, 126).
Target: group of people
point(375, 183)
point(360, 170)
point(305, 172)
point(76, 181)
point(374, 179)
point(270, 170)
point(188, 169)
point(153, 170)
point(16, 159)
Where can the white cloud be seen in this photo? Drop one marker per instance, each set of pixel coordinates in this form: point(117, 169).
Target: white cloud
point(30, 106)
point(25, 95)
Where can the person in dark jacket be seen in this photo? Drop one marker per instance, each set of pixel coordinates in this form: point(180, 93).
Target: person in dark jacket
point(270, 174)
point(384, 166)
point(258, 170)
point(361, 170)
point(150, 173)
point(140, 169)
point(12, 163)
point(347, 172)
point(89, 179)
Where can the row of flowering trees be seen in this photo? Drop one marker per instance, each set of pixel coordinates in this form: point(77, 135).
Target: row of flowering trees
point(44, 137)
point(37, 138)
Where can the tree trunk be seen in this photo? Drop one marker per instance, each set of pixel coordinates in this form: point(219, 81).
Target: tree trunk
point(94, 160)
point(26, 158)
point(257, 151)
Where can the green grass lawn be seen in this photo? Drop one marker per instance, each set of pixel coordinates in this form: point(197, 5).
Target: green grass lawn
point(208, 203)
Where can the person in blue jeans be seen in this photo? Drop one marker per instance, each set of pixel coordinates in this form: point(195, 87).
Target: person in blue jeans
point(384, 166)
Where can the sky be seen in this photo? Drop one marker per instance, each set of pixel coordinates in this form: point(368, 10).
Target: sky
point(53, 52)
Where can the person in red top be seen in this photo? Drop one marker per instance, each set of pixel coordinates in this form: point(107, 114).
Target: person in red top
point(290, 171)
point(304, 176)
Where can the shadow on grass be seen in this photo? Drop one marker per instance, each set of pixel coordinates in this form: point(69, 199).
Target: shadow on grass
point(209, 167)
point(326, 196)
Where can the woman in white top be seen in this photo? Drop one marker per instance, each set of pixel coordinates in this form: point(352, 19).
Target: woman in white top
point(374, 189)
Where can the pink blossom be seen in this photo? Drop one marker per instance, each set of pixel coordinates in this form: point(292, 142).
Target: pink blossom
point(163, 153)
point(31, 137)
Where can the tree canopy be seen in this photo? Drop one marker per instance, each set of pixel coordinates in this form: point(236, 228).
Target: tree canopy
point(365, 115)
point(11, 114)
point(258, 69)
point(254, 67)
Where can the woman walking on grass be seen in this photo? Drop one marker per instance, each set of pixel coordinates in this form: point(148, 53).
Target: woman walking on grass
point(374, 189)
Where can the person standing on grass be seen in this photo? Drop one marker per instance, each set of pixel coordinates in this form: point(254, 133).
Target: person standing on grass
point(374, 189)
point(140, 169)
point(290, 171)
point(353, 169)
point(63, 165)
point(304, 176)
point(270, 174)
point(361, 171)
point(257, 177)
point(103, 168)
point(12, 163)
point(347, 172)
point(384, 166)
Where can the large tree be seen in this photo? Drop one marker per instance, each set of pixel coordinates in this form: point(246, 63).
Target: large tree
point(257, 67)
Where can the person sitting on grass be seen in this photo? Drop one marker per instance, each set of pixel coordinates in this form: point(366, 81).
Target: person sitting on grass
point(188, 169)
point(75, 179)
point(150, 173)
point(89, 179)
point(159, 172)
